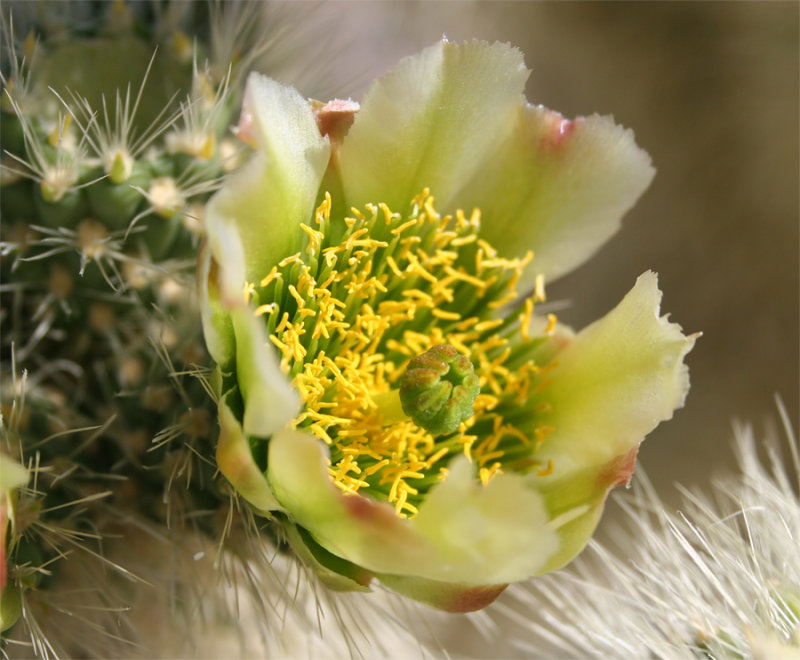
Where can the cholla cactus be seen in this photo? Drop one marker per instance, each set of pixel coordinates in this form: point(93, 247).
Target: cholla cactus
point(115, 129)
point(719, 578)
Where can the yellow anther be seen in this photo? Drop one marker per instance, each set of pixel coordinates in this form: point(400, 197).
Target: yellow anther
point(436, 457)
point(464, 240)
point(489, 456)
point(417, 268)
point(483, 326)
point(486, 474)
point(416, 294)
point(419, 200)
point(400, 229)
point(284, 323)
point(323, 210)
point(351, 240)
point(525, 319)
point(377, 467)
point(283, 347)
point(552, 319)
point(368, 316)
point(538, 290)
point(298, 298)
point(314, 239)
point(444, 315)
point(505, 300)
point(542, 433)
point(430, 212)
point(248, 291)
point(265, 309)
point(292, 259)
point(543, 472)
point(465, 277)
point(467, 441)
point(488, 250)
point(387, 213)
point(475, 219)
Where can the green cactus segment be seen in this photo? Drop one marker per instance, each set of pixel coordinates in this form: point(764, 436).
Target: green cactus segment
point(99, 66)
point(10, 607)
point(100, 343)
point(438, 389)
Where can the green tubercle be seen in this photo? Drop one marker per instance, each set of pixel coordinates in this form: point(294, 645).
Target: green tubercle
point(438, 389)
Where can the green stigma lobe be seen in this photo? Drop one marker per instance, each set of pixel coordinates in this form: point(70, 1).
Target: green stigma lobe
point(438, 389)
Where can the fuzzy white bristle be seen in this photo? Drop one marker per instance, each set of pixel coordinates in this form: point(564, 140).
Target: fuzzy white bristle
point(718, 579)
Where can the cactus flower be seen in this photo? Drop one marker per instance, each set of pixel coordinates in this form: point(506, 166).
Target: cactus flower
point(387, 393)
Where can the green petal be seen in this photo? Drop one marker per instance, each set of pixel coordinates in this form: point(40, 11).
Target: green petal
point(12, 474)
point(334, 572)
point(270, 401)
point(430, 122)
point(271, 195)
point(575, 502)
point(465, 534)
point(237, 338)
point(615, 382)
point(445, 596)
point(557, 187)
point(217, 326)
point(355, 528)
point(490, 534)
point(610, 385)
point(235, 461)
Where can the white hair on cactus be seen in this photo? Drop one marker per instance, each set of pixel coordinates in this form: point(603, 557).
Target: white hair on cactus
point(719, 578)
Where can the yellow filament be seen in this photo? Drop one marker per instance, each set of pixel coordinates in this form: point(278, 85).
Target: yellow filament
point(342, 390)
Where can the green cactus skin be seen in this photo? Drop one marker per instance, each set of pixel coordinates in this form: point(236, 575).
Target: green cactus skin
point(104, 395)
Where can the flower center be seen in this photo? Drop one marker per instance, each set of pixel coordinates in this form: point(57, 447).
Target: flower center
point(351, 313)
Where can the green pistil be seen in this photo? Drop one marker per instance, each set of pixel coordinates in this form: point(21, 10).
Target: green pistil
point(438, 389)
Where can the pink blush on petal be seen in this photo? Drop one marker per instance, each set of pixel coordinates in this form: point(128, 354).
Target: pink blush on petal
point(557, 131)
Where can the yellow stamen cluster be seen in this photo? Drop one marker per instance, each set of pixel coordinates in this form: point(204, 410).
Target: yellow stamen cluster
point(347, 314)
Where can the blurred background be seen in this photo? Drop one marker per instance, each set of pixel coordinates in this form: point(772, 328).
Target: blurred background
point(711, 91)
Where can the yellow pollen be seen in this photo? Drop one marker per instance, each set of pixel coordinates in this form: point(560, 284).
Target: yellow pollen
point(315, 239)
point(272, 276)
point(538, 290)
point(486, 474)
point(546, 470)
point(525, 319)
point(265, 309)
point(295, 258)
point(248, 291)
point(552, 319)
point(347, 315)
point(445, 316)
point(399, 230)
